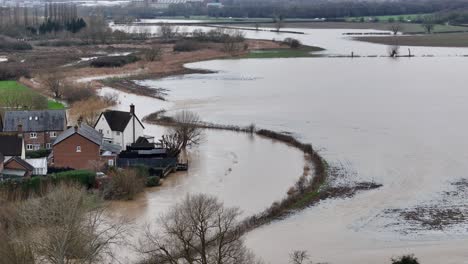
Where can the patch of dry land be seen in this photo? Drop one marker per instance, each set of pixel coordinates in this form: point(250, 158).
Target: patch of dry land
point(410, 28)
point(432, 40)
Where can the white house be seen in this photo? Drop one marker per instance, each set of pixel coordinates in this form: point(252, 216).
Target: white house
point(120, 128)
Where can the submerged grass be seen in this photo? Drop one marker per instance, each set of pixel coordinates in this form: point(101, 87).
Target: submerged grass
point(303, 52)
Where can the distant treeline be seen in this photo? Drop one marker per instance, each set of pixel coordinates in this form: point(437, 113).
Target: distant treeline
point(296, 9)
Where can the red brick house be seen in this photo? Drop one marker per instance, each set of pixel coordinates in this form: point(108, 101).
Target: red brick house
point(82, 147)
point(17, 168)
point(39, 128)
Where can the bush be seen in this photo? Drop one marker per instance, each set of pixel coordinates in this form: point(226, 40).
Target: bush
point(113, 61)
point(84, 177)
point(406, 259)
point(11, 44)
point(153, 181)
point(73, 93)
point(61, 43)
point(292, 43)
point(36, 154)
point(124, 184)
point(186, 45)
point(12, 72)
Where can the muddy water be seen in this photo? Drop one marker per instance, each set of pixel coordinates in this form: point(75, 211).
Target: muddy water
point(244, 171)
point(397, 122)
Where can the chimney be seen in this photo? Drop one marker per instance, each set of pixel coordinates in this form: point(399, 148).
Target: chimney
point(76, 128)
point(132, 111)
point(80, 120)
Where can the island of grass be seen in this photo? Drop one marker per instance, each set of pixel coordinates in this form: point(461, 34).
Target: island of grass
point(427, 40)
point(301, 52)
point(15, 95)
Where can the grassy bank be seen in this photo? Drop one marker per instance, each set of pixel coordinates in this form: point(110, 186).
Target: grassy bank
point(311, 187)
point(302, 52)
point(432, 40)
point(409, 28)
point(14, 94)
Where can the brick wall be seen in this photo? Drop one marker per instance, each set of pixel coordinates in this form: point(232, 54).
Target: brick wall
point(66, 155)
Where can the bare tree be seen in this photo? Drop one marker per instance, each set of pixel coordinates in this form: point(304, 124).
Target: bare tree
point(198, 230)
point(167, 31)
point(53, 81)
point(172, 143)
point(428, 24)
point(393, 50)
point(299, 257)
point(153, 54)
point(187, 128)
point(395, 28)
point(278, 22)
point(65, 226)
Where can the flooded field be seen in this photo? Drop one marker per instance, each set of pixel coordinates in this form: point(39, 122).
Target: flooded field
point(399, 122)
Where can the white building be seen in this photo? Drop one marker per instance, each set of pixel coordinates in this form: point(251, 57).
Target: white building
point(120, 128)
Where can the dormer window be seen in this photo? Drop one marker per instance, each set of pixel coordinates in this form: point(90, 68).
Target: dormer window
point(30, 118)
point(36, 118)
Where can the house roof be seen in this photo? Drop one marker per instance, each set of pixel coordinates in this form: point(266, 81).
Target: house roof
point(2, 158)
point(21, 162)
point(109, 147)
point(84, 130)
point(35, 121)
point(118, 120)
point(11, 145)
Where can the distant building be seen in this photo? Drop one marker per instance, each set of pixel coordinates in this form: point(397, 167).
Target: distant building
point(39, 165)
point(120, 128)
point(82, 147)
point(12, 145)
point(38, 128)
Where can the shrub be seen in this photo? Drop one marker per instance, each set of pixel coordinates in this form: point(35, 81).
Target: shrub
point(114, 61)
point(11, 44)
point(152, 181)
point(124, 184)
point(292, 43)
point(84, 177)
point(42, 153)
point(406, 259)
point(73, 93)
point(12, 72)
point(186, 45)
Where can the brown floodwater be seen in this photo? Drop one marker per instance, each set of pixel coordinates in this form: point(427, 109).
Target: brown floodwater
point(399, 122)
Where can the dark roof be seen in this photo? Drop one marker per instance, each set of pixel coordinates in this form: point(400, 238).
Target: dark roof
point(118, 120)
point(35, 121)
point(2, 158)
point(84, 130)
point(11, 145)
point(21, 162)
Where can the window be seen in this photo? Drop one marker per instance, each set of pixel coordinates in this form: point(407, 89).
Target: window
point(53, 134)
point(100, 131)
point(29, 147)
point(118, 133)
point(110, 162)
point(48, 146)
point(78, 148)
point(37, 146)
point(33, 135)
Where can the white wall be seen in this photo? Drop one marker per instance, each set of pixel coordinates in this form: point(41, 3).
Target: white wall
point(128, 133)
point(104, 126)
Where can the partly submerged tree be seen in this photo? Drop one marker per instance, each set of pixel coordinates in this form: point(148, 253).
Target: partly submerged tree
point(197, 230)
point(428, 24)
point(299, 257)
point(186, 126)
point(405, 259)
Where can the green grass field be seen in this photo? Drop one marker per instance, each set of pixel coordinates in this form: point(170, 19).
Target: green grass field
point(303, 52)
point(14, 91)
point(387, 18)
